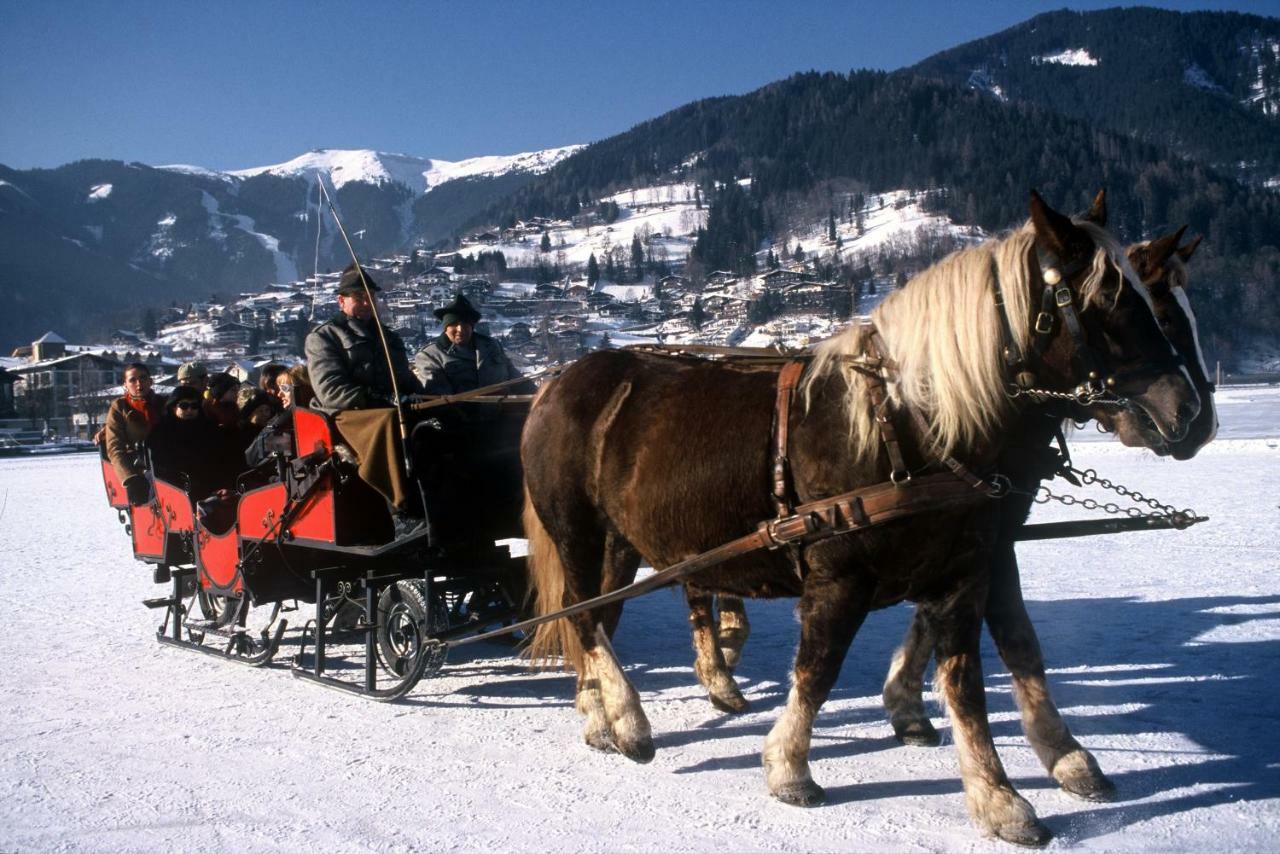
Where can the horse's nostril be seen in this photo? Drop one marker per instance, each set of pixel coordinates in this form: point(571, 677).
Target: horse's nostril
point(1187, 412)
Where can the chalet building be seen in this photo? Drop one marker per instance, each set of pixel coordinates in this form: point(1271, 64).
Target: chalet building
point(720, 279)
point(776, 279)
point(231, 333)
point(519, 334)
point(596, 300)
point(476, 290)
point(549, 291)
point(517, 308)
point(47, 386)
point(805, 297)
point(486, 238)
point(726, 307)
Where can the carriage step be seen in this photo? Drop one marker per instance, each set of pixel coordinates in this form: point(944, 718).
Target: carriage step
point(160, 602)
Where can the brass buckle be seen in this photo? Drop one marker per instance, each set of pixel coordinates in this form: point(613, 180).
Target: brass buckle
point(1044, 323)
point(1062, 297)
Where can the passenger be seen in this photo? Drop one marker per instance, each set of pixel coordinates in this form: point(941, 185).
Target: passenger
point(195, 375)
point(350, 375)
point(257, 409)
point(269, 377)
point(345, 356)
point(190, 450)
point(220, 400)
point(129, 421)
point(277, 436)
point(461, 359)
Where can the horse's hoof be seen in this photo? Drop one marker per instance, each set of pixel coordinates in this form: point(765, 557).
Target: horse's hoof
point(1031, 835)
point(636, 751)
point(600, 740)
point(803, 794)
point(1079, 776)
point(733, 704)
point(1098, 790)
point(919, 733)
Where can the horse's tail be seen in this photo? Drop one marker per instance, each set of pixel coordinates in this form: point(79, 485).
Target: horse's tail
point(546, 580)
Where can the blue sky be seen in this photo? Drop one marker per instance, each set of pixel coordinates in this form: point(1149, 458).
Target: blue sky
point(237, 84)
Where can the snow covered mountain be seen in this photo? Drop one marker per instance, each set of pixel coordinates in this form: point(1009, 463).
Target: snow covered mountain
point(418, 174)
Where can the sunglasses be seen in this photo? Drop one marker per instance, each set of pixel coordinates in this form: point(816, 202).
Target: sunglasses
point(187, 404)
point(284, 387)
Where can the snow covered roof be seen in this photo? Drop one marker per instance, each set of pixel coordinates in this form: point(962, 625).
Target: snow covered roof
point(50, 337)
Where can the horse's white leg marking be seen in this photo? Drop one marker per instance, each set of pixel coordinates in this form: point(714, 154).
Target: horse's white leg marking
point(589, 704)
point(631, 734)
point(786, 749)
point(1073, 767)
point(995, 806)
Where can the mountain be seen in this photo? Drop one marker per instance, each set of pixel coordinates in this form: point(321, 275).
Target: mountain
point(84, 247)
point(1204, 84)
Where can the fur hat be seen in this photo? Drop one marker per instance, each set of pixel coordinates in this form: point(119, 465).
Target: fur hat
point(180, 394)
point(350, 282)
point(459, 311)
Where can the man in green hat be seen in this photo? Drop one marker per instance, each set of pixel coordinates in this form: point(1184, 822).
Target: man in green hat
point(345, 357)
point(461, 359)
point(351, 380)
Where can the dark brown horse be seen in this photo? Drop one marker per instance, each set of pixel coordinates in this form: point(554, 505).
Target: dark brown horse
point(630, 455)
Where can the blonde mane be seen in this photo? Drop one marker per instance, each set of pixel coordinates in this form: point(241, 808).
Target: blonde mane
point(943, 332)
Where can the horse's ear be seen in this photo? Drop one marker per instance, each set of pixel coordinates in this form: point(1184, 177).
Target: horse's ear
point(1185, 252)
point(1162, 248)
point(1054, 231)
point(1098, 210)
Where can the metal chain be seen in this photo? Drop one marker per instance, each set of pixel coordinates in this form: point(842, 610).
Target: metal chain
point(1084, 398)
point(1090, 477)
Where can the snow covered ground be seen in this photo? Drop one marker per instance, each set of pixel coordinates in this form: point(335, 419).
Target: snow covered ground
point(1162, 648)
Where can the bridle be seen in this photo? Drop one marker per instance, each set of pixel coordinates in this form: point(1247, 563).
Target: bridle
point(1057, 306)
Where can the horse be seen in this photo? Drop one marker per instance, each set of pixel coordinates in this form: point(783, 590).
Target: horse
point(1161, 265)
point(671, 457)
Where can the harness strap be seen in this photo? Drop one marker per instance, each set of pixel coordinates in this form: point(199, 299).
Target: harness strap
point(783, 492)
point(876, 349)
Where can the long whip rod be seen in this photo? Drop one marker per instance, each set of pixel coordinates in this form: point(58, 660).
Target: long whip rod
point(382, 335)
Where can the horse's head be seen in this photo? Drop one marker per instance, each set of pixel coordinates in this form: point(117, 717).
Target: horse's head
point(1161, 264)
point(1097, 324)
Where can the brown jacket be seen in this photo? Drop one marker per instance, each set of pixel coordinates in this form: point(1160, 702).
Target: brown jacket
point(126, 429)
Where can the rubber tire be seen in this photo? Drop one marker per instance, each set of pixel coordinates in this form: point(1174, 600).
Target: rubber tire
point(217, 609)
point(404, 614)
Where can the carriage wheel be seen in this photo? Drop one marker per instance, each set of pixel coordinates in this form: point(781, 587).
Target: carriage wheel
point(216, 608)
point(405, 620)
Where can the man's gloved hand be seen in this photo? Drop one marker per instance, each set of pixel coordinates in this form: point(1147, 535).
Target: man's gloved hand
point(138, 490)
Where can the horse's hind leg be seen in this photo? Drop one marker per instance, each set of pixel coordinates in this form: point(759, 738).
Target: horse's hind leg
point(831, 610)
point(615, 719)
point(1073, 767)
point(993, 803)
point(709, 663)
point(904, 687)
point(732, 629)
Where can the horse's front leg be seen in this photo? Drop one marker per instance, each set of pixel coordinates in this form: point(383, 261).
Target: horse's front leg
point(903, 694)
point(732, 628)
point(995, 806)
point(709, 664)
point(831, 610)
point(1073, 767)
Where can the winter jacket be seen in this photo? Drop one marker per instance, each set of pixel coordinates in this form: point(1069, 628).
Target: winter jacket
point(349, 369)
point(448, 368)
point(126, 429)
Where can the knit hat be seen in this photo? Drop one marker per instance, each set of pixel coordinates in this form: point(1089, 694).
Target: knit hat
point(459, 311)
point(192, 371)
point(350, 282)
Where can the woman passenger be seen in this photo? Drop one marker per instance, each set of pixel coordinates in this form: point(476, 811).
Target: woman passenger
point(189, 449)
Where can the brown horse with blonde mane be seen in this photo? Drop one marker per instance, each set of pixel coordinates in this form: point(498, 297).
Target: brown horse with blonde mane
point(630, 455)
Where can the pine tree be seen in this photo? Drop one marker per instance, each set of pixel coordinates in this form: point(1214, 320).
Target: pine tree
point(545, 246)
point(831, 226)
point(637, 257)
point(149, 324)
point(697, 314)
point(593, 271)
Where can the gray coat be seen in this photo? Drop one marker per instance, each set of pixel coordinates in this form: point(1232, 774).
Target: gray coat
point(447, 368)
point(349, 369)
